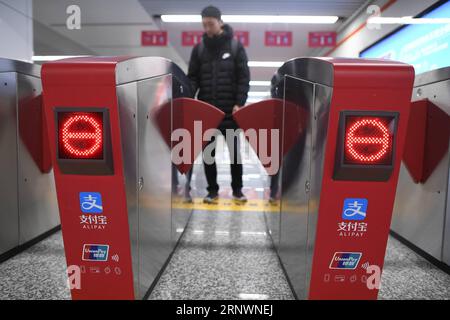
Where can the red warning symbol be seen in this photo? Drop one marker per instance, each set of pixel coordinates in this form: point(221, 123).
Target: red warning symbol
point(81, 136)
point(368, 140)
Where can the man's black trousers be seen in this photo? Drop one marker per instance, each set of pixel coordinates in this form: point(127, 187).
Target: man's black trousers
point(235, 159)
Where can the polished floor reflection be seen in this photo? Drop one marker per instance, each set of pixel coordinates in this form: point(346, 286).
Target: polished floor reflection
point(224, 255)
point(225, 251)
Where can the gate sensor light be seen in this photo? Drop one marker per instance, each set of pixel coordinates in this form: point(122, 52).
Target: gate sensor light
point(84, 141)
point(365, 146)
point(81, 135)
point(368, 140)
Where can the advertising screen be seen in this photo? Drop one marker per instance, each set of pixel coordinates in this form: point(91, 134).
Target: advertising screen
point(425, 46)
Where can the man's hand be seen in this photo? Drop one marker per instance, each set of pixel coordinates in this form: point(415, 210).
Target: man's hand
point(236, 108)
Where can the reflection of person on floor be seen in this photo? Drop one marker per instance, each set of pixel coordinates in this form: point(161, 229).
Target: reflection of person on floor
point(187, 185)
point(218, 69)
point(274, 186)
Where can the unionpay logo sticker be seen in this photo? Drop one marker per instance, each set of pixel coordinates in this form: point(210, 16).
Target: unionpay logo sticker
point(91, 202)
point(354, 209)
point(345, 260)
point(95, 252)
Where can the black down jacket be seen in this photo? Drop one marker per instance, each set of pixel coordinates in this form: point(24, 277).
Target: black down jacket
point(221, 77)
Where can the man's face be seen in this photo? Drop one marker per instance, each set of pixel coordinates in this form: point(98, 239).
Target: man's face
point(212, 26)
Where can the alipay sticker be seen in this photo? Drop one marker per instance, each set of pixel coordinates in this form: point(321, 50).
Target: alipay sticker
point(354, 209)
point(91, 202)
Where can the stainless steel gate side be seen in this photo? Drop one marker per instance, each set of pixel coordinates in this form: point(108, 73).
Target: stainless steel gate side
point(38, 206)
point(302, 186)
point(421, 209)
point(147, 169)
point(181, 88)
point(273, 215)
point(127, 104)
point(295, 176)
point(154, 179)
point(319, 127)
point(9, 214)
point(143, 85)
point(28, 206)
point(446, 245)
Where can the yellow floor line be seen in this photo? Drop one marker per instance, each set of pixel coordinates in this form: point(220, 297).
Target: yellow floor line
point(258, 205)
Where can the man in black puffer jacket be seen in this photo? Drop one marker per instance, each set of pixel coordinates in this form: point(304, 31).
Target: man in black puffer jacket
point(218, 70)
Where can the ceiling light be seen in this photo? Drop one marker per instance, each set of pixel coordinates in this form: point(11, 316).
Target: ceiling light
point(280, 19)
point(265, 64)
point(181, 18)
point(254, 19)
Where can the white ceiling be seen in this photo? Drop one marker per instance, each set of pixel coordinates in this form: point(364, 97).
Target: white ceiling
point(108, 27)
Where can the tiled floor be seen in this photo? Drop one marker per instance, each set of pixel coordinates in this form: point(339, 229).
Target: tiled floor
point(406, 275)
point(224, 255)
point(37, 273)
point(217, 265)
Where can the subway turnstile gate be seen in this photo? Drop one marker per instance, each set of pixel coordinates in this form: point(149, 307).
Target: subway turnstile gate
point(28, 206)
point(339, 176)
point(112, 170)
point(109, 122)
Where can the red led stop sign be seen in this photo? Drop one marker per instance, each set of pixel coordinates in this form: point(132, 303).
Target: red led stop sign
point(365, 147)
point(369, 140)
point(80, 135)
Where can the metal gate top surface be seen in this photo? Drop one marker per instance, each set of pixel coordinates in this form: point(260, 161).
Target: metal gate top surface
point(340, 72)
point(107, 70)
point(8, 65)
point(433, 76)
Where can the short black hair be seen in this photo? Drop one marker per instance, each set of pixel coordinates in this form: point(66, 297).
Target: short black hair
point(211, 12)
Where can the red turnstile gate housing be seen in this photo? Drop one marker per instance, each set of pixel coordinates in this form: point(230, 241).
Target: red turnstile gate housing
point(110, 121)
point(339, 170)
